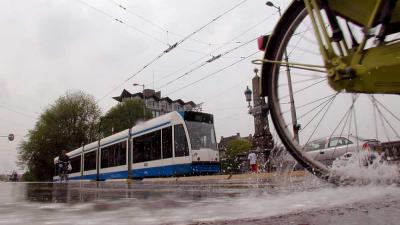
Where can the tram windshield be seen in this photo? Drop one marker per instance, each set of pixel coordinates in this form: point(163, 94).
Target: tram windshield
point(201, 130)
point(201, 135)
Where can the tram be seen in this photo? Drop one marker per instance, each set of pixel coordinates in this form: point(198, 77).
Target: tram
point(174, 144)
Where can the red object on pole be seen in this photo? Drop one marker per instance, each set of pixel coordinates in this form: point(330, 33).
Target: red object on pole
point(262, 42)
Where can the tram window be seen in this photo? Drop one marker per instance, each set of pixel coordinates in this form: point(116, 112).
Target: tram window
point(181, 144)
point(113, 155)
point(147, 147)
point(90, 161)
point(137, 156)
point(121, 154)
point(167, 142)
point(104, 158)
point(155, 150)
point(76, 164)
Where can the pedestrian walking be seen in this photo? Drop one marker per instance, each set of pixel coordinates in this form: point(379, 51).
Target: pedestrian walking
point(253, 162)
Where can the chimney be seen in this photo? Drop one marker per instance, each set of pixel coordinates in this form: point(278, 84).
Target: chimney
point(148, 92)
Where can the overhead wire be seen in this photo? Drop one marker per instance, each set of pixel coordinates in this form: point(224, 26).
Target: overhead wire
point(126, 9)
point(213, 51)
point(215, 97)
point(122, 22)
point(139, 16)
point(171, 47)
point(212, 74)
point(212, 21)
point(207, 62)
point(16, 111)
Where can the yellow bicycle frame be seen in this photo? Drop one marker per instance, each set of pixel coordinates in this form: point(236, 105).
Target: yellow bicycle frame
point(372, 70)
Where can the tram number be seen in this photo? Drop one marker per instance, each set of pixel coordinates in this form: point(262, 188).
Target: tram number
point(146, 164)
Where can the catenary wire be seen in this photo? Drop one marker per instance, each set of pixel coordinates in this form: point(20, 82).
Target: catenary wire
point(122, 22)
point(162, 28)
point(206, 62)
point(212, 74)
point(170, 48)
point(210, 54)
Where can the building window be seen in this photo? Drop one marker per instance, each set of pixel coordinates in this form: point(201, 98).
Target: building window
point(181, 144)
point(90, 161)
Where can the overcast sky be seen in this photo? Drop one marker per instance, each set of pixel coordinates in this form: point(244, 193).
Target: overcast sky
point(49, 47)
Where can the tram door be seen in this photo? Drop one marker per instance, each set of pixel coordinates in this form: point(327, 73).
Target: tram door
point(181, 149)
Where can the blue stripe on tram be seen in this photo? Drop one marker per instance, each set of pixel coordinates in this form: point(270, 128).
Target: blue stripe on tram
point(162, 171)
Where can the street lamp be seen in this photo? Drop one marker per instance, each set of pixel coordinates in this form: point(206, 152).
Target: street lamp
point(262, 138)
point(9, 136)
point(296, 126)
point(248, 94)
point(144, 99)
point(270, 4)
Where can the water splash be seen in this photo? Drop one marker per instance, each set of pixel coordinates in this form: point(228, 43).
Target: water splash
point(365, 167)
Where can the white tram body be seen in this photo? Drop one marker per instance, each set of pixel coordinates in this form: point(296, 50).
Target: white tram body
point(174, 144)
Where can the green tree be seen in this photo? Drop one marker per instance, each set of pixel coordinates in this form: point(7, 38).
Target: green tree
point(234, 148)
point(71, 121)
point(122, 116)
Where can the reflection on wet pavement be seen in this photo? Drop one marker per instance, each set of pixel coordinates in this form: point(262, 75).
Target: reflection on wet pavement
point(141, 202)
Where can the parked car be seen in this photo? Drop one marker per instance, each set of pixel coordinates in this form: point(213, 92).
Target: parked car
point(330, 148)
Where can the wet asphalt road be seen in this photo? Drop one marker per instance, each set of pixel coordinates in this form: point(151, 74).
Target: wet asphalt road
point(278, 201)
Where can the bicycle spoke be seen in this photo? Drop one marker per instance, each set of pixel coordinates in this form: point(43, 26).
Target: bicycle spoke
point(310, 116)
point(323, 116)
point(301, 81)
point(312, 110)
point(391, 113)
point(305, 88)
point(384, 119)
point(309, 103)
point(375, 122)
point(307, 50)
point(355, 118)
point(316, 114)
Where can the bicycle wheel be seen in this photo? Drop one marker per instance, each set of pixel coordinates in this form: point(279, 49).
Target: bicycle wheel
point(318, 125)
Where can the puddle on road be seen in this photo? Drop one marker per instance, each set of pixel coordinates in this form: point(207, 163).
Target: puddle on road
point(171, 203)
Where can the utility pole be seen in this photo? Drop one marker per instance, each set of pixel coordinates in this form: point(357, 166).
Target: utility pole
point(98, 147)
point(144, 99)
point(296, 126)
point(130, 147)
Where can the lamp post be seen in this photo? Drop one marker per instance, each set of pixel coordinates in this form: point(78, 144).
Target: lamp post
point(9, 136)
point(144, 99)
point(262, 138)
point(296, 126)
point(102, 118)
point(270, 4)
point(247, 94)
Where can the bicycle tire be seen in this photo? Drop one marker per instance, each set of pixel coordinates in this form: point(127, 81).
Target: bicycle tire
point(287, 34)
point(295, 12)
